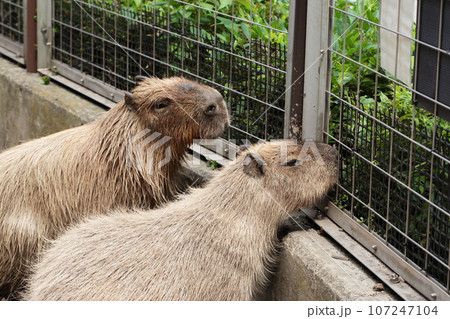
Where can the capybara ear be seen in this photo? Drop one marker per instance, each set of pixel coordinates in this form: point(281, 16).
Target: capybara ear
point(253, 165)
point(140, 78)
point(130, 101)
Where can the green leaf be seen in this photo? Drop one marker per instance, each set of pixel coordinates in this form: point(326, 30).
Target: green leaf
point(206, 5)
point(45, 80)
point(384, 98)
point(367, 101)
point(226, 22)
point(246, 31)
point(347, 77)
point(225, 38)
point(245, 3)
point(225, 3)
point(205, 34)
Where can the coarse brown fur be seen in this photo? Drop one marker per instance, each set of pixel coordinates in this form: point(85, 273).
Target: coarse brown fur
point(52, 182)
point(216, 243)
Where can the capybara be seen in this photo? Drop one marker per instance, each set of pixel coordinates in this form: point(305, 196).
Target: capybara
point(216, 243)
point(116, 161)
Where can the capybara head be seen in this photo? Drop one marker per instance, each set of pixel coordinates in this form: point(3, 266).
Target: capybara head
point(294, 175)
point(179, 108)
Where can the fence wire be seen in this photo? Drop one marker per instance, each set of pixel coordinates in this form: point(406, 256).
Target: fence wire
point(113, 41)
point(11, 19)
point(395, 149)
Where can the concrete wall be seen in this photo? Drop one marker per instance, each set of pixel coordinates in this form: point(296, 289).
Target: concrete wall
point(29, 109)
point(312, 267)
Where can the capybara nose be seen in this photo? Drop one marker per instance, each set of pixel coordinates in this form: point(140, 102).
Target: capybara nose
point(210, 109)
point(213, 103)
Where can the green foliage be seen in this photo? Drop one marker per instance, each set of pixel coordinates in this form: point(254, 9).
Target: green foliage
point(352, 36)
point(212, 164)
point(45, 80)
point(227, 29)
point(384, 141)
point(404, 109)
point(358, 41)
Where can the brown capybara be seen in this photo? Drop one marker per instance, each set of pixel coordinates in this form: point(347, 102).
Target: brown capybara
point(116, 161)
point(216, 243)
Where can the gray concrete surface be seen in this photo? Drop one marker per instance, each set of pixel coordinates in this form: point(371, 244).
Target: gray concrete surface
point(30, 109)
point(311, 267)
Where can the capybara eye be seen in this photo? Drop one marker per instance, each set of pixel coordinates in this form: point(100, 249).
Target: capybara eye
point(211, 108)
point(292, 162)
point(161, 105)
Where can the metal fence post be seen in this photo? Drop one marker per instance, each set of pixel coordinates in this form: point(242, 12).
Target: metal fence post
point(29, 8)
point(315, 106)
point(44, 33)
point(295, 69)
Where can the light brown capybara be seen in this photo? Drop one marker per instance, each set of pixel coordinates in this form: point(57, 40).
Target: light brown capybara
point(49, 183)
point(216, 243)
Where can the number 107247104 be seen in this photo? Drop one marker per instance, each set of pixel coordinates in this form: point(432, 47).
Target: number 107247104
point(417, 310)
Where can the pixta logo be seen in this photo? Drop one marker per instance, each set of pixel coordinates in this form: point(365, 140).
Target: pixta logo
point(148, 151)
point(211, 149)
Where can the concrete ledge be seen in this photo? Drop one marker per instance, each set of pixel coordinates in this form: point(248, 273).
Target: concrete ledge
point(312, 267)
point(30, 109)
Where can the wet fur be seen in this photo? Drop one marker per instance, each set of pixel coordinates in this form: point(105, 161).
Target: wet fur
point(216, 243)
point(50, 183)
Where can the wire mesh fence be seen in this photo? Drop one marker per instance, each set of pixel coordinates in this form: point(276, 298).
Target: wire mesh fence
point(11, 19)
point(221, 43)
point(395, 150)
